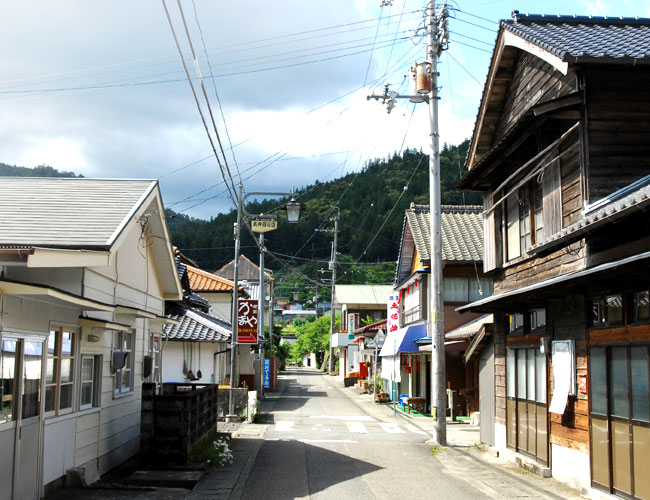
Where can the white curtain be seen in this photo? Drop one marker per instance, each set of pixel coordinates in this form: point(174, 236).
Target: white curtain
point(390, 368)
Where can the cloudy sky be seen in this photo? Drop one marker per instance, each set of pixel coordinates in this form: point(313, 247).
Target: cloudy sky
point(99, 88)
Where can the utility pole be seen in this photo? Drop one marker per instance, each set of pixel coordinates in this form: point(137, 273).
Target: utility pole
point(426, 79)
point(235, 302)
point(260, 321)
point(437, 36)
point(332, 266)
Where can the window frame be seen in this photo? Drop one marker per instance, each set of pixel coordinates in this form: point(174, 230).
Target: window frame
point(525, 224)
point(95, 381)
point(605, 322)
point(58, 357)
point(155, 340)
point(120, 344)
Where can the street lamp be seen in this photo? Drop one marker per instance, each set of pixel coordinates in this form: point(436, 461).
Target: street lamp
point(265, 223)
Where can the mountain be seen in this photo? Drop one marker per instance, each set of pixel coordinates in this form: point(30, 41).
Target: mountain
point(40, 171)
point(371, 201)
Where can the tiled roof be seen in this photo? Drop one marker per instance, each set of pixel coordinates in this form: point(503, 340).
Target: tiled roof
point(373, 327)
point(197, 326)
point(247, 271)
point(67, 212)
point(203, 281)
point(576, 39)
point(461, 233)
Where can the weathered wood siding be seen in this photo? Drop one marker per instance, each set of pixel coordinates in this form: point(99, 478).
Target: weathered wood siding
point(618, 113)
point(570, 180)
point(571, 429)
point(531, 271)
point(534, 81)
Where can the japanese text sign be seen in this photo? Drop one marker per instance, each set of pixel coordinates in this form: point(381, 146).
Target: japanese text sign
point(392, 322)
point(247, 321)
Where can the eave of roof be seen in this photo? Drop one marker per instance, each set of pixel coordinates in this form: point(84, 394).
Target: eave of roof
point(543, 35)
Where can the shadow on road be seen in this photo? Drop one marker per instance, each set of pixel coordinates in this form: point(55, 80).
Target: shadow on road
point(280, 470)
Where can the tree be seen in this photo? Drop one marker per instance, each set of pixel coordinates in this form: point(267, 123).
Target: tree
point(313, 337)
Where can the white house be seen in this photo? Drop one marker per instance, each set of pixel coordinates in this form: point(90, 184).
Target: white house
point(85, 269)
point(197, 347)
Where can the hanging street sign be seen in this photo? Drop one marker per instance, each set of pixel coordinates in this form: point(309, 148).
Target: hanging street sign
point(247, 321)
point(263, 225)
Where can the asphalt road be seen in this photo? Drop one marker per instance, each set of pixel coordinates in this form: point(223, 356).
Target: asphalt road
point(320, 445)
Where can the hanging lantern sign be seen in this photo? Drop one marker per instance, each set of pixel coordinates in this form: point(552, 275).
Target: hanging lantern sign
point(247, 321)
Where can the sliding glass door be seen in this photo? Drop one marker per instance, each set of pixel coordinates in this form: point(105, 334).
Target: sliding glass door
point(526, 406)
point(620, 419)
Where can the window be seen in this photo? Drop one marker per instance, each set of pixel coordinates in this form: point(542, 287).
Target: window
point(525, 220)
point(123, 343)
point(89, 381)
point(466, 289)
point(641, 307)
point(607, 310)
point(156, 355)
point(516, 324)
point(532, 322)
point(59, 376)
point(8, 363)
point(537, 320)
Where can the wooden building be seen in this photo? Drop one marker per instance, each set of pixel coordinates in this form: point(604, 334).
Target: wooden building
point(406, 352)
point(561, 152)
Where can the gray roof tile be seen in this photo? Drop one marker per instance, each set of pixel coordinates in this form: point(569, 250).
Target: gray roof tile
point(66, 212)
point(577, 39)
point(197, 326)
point(461, 234)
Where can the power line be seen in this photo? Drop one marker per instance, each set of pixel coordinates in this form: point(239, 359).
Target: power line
point(391, 210)
point(463, 68)
point(229, 181)
point(214, 86)
point(196, 100)
point(249, 42)
point(381, 12)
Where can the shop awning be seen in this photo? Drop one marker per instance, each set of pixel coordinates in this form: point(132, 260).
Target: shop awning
point(403, 340)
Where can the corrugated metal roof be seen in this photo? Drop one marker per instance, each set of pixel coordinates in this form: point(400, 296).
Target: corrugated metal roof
point(67, 212)
point(197, 326)
point(578, 39)
point(461, 234)
point(470, 328)
point(203, 281)
point(363, 294)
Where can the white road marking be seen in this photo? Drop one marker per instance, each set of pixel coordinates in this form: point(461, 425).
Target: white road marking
point(414, 429)
point(327, 441)
point(284, 426)
point(392, 428)
point(351, 418)
point(357, 427)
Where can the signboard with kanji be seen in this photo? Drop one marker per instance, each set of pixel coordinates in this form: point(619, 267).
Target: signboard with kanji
point(247, 321)
point(392, 321)
point(263, 225)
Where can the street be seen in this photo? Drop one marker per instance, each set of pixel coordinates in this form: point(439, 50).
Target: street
point(320, 444)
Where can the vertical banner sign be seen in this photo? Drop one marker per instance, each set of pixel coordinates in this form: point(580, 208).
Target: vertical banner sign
point(392, 321)
point(267, 373)
point(247, 321)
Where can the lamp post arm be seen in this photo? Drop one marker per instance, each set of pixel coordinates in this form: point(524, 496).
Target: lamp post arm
point(257, 193)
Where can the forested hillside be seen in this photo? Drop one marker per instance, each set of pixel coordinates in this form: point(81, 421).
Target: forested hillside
point(40, 171)
point(372, 204)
